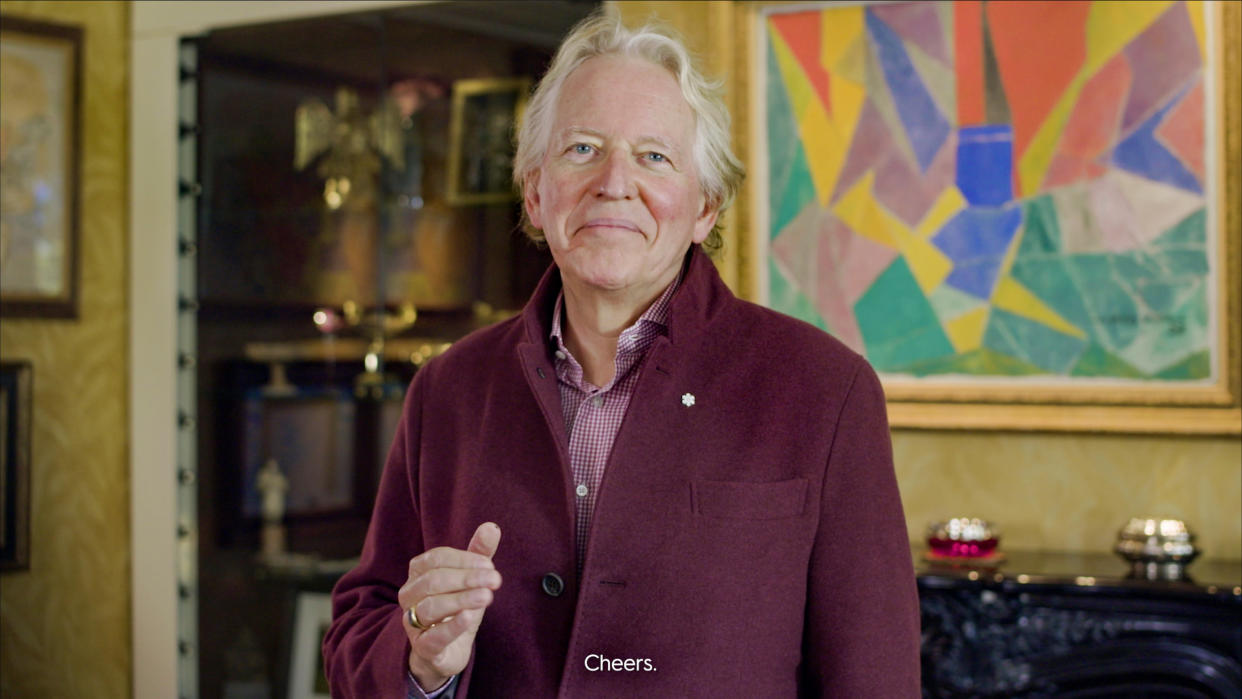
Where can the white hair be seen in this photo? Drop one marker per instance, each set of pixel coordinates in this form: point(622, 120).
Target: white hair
point(720, 172)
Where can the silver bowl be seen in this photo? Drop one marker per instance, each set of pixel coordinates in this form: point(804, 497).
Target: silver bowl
point(1156, 548)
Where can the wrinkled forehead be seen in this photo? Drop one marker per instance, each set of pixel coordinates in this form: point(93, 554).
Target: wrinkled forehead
point(625, 96)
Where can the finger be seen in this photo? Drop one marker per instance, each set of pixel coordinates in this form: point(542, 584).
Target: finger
point(433, 641)
point(444, 580)
point(485, 540)
point(445, 557)
point(435, 609)
point(411, 630)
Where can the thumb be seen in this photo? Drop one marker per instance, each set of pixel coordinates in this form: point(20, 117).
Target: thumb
point(485, 540)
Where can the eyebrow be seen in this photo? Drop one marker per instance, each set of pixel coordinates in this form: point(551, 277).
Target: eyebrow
point(642, 140)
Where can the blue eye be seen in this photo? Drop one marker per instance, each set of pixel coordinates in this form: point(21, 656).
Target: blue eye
point(581, 149)
point(655, 157)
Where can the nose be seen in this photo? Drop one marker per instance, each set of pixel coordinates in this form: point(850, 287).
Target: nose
point(615, 180)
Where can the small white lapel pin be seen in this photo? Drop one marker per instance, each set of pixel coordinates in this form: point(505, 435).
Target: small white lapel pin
point(687, 399)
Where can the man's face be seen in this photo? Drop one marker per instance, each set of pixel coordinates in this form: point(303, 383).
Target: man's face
point(617, 195)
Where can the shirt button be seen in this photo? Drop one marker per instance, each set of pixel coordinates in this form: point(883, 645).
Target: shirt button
point(560, 354)
point(582, 490)
point(552, 585)
point(597, 401)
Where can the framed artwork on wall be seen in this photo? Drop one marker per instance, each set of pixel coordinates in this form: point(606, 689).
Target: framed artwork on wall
point(15, 396)
point(40, 105)
point(306, 674)
point(1024, 215)
point(485, 113)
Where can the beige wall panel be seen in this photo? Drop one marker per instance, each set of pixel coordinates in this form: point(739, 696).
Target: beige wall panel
point(64, 623)
point(1063, 492)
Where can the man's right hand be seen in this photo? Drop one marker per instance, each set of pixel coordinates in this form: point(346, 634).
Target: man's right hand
point(449, 590)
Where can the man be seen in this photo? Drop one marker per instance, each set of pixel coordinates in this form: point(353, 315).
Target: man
point(696, 493)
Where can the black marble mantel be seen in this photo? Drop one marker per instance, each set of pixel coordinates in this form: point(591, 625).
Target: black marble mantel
point(1075, 625)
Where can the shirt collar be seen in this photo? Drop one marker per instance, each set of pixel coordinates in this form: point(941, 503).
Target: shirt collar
point(656, 313)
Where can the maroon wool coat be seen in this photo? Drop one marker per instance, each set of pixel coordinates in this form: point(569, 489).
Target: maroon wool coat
point(750, 544)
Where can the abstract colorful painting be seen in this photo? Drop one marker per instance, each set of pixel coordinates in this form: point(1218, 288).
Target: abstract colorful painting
point(994, 189)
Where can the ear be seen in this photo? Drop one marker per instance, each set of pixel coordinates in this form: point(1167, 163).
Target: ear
point(703, 224)
point(530, 198)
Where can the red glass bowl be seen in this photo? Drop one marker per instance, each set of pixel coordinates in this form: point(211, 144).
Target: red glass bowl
point(962, 537)
point(950, 548)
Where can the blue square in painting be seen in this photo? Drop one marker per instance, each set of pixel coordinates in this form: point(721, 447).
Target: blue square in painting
point(985, 164)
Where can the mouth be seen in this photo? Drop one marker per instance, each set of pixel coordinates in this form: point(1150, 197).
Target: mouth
point(609, 224)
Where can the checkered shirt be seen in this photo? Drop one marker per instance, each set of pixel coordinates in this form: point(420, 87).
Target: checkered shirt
point(593, 414)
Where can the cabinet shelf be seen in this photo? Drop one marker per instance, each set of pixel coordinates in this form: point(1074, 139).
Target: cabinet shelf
point(414, 350)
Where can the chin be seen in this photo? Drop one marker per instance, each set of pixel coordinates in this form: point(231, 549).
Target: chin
point(608, 280)
point(603, 270)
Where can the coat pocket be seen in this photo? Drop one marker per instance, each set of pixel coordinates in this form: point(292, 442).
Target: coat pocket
point(745, 500)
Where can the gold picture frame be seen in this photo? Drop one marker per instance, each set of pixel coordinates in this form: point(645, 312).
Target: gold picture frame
point(1207, 405)
point(485, 115)
point(40, 105)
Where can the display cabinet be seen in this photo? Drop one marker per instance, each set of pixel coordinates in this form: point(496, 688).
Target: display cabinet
point(346, 215)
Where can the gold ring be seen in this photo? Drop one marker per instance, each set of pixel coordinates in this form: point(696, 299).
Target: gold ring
point(412, 617)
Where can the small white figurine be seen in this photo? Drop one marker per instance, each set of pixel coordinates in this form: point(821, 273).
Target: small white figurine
point(272, 486)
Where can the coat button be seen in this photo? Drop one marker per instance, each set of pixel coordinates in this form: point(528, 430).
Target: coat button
point(552, 585)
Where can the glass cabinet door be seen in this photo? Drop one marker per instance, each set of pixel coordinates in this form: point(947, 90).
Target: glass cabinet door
point(347, 215)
